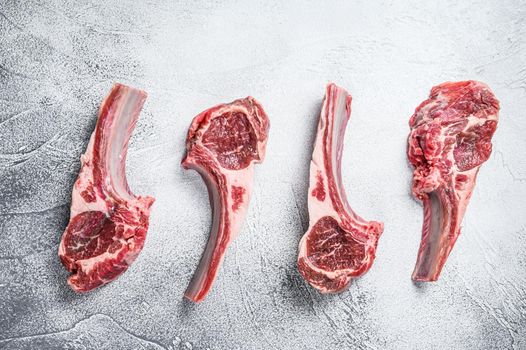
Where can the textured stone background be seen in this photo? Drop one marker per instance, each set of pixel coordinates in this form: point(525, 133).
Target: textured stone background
point(58, 60)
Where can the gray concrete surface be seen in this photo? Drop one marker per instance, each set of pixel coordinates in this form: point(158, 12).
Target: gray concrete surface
point(58, 60)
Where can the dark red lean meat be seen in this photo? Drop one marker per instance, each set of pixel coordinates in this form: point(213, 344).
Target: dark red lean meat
point(339, 245)
point(223, 144)
point(450, 139)
point(108, 223)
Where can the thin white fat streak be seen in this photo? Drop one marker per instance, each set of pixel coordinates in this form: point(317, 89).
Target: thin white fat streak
point(88, 264)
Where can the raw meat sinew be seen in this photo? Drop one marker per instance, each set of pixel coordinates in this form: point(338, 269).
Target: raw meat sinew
point(108, 223)
point(339, 245)
point(450, 139)
point(223, 144)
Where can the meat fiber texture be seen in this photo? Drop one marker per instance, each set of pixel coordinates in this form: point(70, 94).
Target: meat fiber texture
point(223, 144)
point(108, 223)
point(339, 245)
point(450, 139)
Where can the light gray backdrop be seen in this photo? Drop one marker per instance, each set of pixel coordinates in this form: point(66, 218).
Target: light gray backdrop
point(58, 60)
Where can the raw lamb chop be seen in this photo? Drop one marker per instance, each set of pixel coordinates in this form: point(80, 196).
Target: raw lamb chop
point(450, 139)
point(223, 144)
point(339, 245)
point(108, 223)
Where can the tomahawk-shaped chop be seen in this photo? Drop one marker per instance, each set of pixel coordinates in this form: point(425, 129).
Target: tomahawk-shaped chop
point(450, 139)
point(223, 144)
point(108, 223)
point(339, 245)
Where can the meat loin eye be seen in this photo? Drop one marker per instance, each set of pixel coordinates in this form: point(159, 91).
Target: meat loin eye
point(332, 248)
point(232, 139)
point(474, 146)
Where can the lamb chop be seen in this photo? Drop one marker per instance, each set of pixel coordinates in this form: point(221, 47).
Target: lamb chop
point(450, 139)
point(108, 223)
point(339, 245)
point(223, 144)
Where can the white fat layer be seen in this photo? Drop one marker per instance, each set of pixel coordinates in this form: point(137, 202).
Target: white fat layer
point(84, 179)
